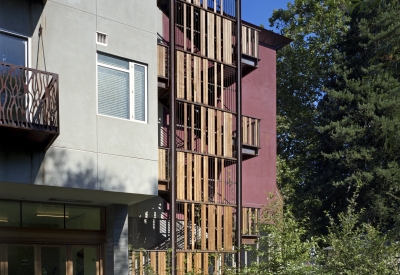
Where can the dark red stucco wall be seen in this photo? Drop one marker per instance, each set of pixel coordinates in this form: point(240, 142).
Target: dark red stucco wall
point(259, 101)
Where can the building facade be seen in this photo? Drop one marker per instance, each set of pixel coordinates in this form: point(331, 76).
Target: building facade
point(90, 182)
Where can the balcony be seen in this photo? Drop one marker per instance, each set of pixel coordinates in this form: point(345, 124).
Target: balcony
point(251, 136)
point(29, 106)
point(250, 220)
point(163, 169)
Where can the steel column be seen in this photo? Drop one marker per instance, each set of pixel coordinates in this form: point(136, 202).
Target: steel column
point(172, 125)
point(239, 131)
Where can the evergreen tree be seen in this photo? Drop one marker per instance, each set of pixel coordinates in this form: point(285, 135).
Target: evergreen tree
point(356, 115)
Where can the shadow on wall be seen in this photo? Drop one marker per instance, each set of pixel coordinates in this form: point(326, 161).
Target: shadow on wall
point(25, 20)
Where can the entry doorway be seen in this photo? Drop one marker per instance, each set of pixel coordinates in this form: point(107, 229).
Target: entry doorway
point(37, 259)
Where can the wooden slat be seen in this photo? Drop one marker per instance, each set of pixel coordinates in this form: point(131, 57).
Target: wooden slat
point(140, 262)
point(244, 219)
point(256, 44)
point(203, 32)
point(219, 227)
point(205, 81)
point(180, 176)
point(211, 131)
point(211, 36)
point(218, 37)
point(197, 263)
point(222, 87)
point(196, 79)
point(153, 260)
point(217, 182)
point(181, 263)
point(250, 120)
point(229, 136)
point(185, 226)
point(211, 227)
point(189, 262)
point(205, 263)
point(224, 40)
point(229, 42)
point(223, 179)
point(215, 6)
point(228, 228)
point(203, 227)
point(205, 4)
point(193, 227)
point(192, 147)
point(244, 38)
point(197, 178)
point(189, 95)
point(221, 2)
point(180, 74)
point(256, 220)
point(192, 29)
point(249, 220)
point(189, 177)
point(162, 261)
point(203, 133)
point(219, 134)
point(184, 27)
point(244, 129)
point(215, 83)
point(185, 132)
point(205, 179)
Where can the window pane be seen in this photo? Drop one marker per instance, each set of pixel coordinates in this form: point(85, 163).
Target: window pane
point(112, 61)
point(84, 260)
point(9, 214)
point(113, 92)
point(79, 217)
point(12, 49)
point(53, 260)
point(42, 215)
point(21, 260)
point(140, 96)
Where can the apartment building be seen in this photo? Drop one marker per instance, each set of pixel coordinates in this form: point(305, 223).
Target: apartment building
point(91, 94)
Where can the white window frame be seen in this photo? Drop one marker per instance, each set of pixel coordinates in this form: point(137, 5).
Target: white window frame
point(131, 72)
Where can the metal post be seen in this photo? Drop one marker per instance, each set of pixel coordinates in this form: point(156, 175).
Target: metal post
point(239, 130)
point(172, 126)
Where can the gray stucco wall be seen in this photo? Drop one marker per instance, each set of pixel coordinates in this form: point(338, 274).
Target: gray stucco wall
point(93, 151)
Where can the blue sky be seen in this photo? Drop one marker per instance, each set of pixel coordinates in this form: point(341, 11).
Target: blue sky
point(259, 11)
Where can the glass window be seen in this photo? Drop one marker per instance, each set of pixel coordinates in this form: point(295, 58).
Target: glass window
point(79, 217)
point(84, 260)
point(42, 215)
point(53, 260)
point(21, 260)
point(13, 49)
point(10, 214)
point(122, 88)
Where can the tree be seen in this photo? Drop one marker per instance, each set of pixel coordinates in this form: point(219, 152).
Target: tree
point(356, 115)
point(315, 27)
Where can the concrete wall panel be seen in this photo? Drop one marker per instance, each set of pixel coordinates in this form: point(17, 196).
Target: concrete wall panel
point(128, 175)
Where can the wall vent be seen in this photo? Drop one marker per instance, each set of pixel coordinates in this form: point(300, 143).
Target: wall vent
point(102, 38)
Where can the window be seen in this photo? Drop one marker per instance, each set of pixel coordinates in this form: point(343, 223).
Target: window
point(13, 49)
point(122, 88)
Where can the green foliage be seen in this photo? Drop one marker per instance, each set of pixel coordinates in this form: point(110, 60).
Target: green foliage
point(359, 249)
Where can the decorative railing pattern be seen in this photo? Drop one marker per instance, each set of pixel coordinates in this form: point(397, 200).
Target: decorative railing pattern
point(28, 98)
point(250, 41)
point(250, 219)
point(163, 164)
point(163, 60)
point(251, 131)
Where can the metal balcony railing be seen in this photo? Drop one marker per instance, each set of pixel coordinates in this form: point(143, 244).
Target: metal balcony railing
point(251, 131)
point(29, 101)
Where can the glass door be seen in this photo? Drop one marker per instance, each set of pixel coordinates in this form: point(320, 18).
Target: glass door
point(53, 260)
point(34, 259)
